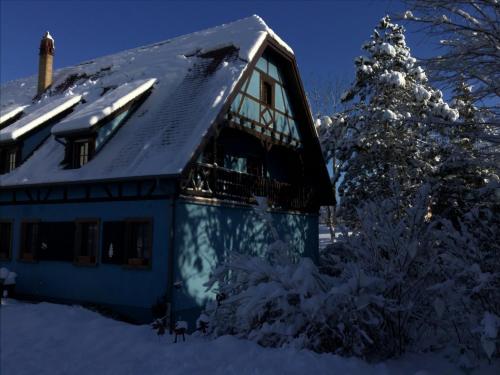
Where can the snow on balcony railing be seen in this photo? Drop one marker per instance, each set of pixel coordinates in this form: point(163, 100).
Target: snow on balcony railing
point(112, 101)
point(10, 113)
point(38, 117)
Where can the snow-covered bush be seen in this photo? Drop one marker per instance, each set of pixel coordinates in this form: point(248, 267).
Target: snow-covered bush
point(363, 301)
point(403, 279)
point(392, 248)
point(268, 302)
point(469, 284)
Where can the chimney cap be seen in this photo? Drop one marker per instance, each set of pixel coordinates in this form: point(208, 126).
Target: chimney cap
point(48, 36)
point(47, 44)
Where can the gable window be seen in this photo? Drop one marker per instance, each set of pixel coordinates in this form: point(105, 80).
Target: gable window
point(138, 242)
point(87, 239)
point(5, 240)
point(267, 92)
point(29, 240)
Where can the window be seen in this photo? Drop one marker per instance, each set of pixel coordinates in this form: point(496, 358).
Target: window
point(267, 93)
point(127, 242)
point(138, 242)
point(235, 163)
point(9, 159)
point(83, 150)
point(56, 240)
point(113, 242)
point(5, 240)
point(87, 239)
point(29, 240)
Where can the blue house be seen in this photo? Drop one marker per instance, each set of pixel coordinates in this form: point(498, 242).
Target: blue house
point(126, 179)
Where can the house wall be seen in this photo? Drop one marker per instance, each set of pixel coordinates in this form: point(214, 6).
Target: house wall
point(205, 234)
point(128, 290)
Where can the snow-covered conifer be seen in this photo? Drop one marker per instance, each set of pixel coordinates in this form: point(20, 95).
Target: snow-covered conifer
point(387, 123)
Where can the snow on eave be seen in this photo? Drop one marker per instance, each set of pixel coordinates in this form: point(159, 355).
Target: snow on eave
point(103, 107)
point(38, 117)
point(273, 35)
point(10, 113)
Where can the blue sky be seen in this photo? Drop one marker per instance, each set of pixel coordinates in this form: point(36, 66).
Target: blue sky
point(326, 35)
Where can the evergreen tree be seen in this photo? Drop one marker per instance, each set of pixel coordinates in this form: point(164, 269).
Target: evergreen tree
point(389, 137)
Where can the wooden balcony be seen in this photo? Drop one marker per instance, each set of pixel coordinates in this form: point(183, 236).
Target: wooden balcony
point(207, 180)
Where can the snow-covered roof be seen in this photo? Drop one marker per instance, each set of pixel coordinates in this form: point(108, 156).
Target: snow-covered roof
point(10, 112)
point(112, 101)
point(44, 112)
point(162, 135)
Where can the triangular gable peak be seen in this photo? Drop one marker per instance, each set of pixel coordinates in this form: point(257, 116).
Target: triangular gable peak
point(265, 129)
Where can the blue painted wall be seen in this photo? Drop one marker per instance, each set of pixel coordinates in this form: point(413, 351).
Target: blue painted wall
point(205, 234)
point(127, 289)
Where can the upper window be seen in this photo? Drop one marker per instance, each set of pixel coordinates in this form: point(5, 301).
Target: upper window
point(82, 152)
point(267, 92)
point(5, 240)
point(8, 159)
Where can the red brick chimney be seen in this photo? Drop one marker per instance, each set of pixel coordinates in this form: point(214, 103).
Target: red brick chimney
point(45, 63)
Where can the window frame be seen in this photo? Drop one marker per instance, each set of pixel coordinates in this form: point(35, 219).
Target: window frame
point(130, 262)
point(75, 155)
point(11, 239)
point(267, 82)
point(24, 256)
point(5, 158)
point(86, 260)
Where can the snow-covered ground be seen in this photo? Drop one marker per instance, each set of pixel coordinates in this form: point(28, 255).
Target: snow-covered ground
point(55, 339)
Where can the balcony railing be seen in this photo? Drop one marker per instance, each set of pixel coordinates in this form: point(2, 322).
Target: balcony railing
point(211, 181)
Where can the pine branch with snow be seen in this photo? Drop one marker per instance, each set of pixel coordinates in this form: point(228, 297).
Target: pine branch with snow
point(468, 33)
